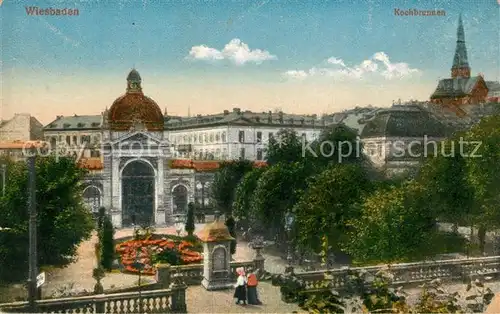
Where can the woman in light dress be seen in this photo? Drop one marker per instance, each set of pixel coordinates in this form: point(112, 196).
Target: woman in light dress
point(240, 292)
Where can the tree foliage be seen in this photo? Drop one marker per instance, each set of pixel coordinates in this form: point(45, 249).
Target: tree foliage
point(231, 227)
point(445, 180)
point(330, 202)
point(190, 219)
point(284, 146)
point(244, 194)
point(395, 225)
point(225, 181)
point(277, 191)
point(63, 221)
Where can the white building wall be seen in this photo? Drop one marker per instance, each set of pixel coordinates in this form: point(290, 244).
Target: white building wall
point(19, 128)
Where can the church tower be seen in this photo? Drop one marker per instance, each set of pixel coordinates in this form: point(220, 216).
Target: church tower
point(460, 68)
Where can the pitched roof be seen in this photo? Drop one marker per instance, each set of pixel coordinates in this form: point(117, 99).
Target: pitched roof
point(244, 118)
point(493, 86)
point(403, 121)
point(455, 87)
point(75, 122)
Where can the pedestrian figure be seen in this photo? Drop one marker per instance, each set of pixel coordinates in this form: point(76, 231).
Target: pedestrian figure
point(240, 293)
point(253, 297)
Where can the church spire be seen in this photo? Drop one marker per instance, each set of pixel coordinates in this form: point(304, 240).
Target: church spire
point(460, 66)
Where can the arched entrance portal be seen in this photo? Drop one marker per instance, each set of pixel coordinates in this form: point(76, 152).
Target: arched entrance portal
point(92, 198)
point(138, 194)
point(179, 199)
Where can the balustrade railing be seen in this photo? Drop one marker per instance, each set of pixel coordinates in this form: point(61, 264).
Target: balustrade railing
point(193, 274)
point(412, 273)
point(155, 301)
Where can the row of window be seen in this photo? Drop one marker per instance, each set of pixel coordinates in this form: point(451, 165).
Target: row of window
point(217, 154)
point(73, 140)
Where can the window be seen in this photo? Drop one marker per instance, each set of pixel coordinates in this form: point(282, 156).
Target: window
point(241, 136)
point(200, 137)
point(259, 137)
point(75, 140)
point(68, 140)
point(223, 137)
point(304, 136)
point(211, 137)
point(95, 153)
point(242, 153)
point(271, 135)
point(259, 154)
point(217, 137)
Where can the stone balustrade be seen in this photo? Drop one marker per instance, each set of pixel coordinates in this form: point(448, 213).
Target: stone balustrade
point(412, 273)
point(193, 274)
point(156, 301)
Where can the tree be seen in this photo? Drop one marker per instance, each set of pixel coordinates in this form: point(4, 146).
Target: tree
point(338, 144)
point(231, 226)
point(277, 191)
point(244, 195)
point(100, 218)
point(190, 219)
point(225, 181)
point(107, 244)
point(444, 177)
point(395, 225)
point(330, 202)
point(482, 153)
point(63, 221)
point(285, 146)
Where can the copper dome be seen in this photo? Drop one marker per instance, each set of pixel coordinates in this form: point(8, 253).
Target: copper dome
point(134, 107)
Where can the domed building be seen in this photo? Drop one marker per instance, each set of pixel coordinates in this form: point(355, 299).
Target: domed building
point(397, 139)
point(146, 166)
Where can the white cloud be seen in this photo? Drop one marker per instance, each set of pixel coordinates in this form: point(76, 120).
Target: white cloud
point(379, 64)
point(235, 51)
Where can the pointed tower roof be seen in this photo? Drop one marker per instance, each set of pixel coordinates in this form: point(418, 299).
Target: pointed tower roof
point(460, 59)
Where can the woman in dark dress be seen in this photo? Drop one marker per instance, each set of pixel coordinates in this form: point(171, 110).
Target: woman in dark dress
point(240, 293)
point(252, 283)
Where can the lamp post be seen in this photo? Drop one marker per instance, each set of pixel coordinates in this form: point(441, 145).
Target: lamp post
point(32, 257)
point(4, 169)
point(139, 266)
point(289, 220)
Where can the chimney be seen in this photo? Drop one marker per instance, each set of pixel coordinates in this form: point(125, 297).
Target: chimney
point(226, 112)
point(270, 117)
point(237, 110)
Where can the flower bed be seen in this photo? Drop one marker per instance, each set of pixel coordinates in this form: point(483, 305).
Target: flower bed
point(148, 251)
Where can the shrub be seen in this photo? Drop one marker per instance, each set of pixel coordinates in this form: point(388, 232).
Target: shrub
point(190, 219)
point(170, 256)
point(100, 218)
point(107, 244)
point(231, 226)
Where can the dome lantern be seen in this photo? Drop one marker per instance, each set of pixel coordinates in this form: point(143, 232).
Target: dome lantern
point(134, 107)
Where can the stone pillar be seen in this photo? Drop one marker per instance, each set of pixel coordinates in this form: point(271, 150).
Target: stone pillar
point(160, 195)
point(163, 275)
point(178, 287)
point(259, 259)
point(116, 206)
point(217, 256)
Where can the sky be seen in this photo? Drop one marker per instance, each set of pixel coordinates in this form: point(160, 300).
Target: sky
point(206, 56)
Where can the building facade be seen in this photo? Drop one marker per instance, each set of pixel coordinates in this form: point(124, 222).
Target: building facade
point(398, 139)
point(462, 89)
point(145, 166)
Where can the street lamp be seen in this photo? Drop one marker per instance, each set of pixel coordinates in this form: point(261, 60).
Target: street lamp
point(289, 220)
point(32, 256)
point(4, 169)
point(139, 266)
